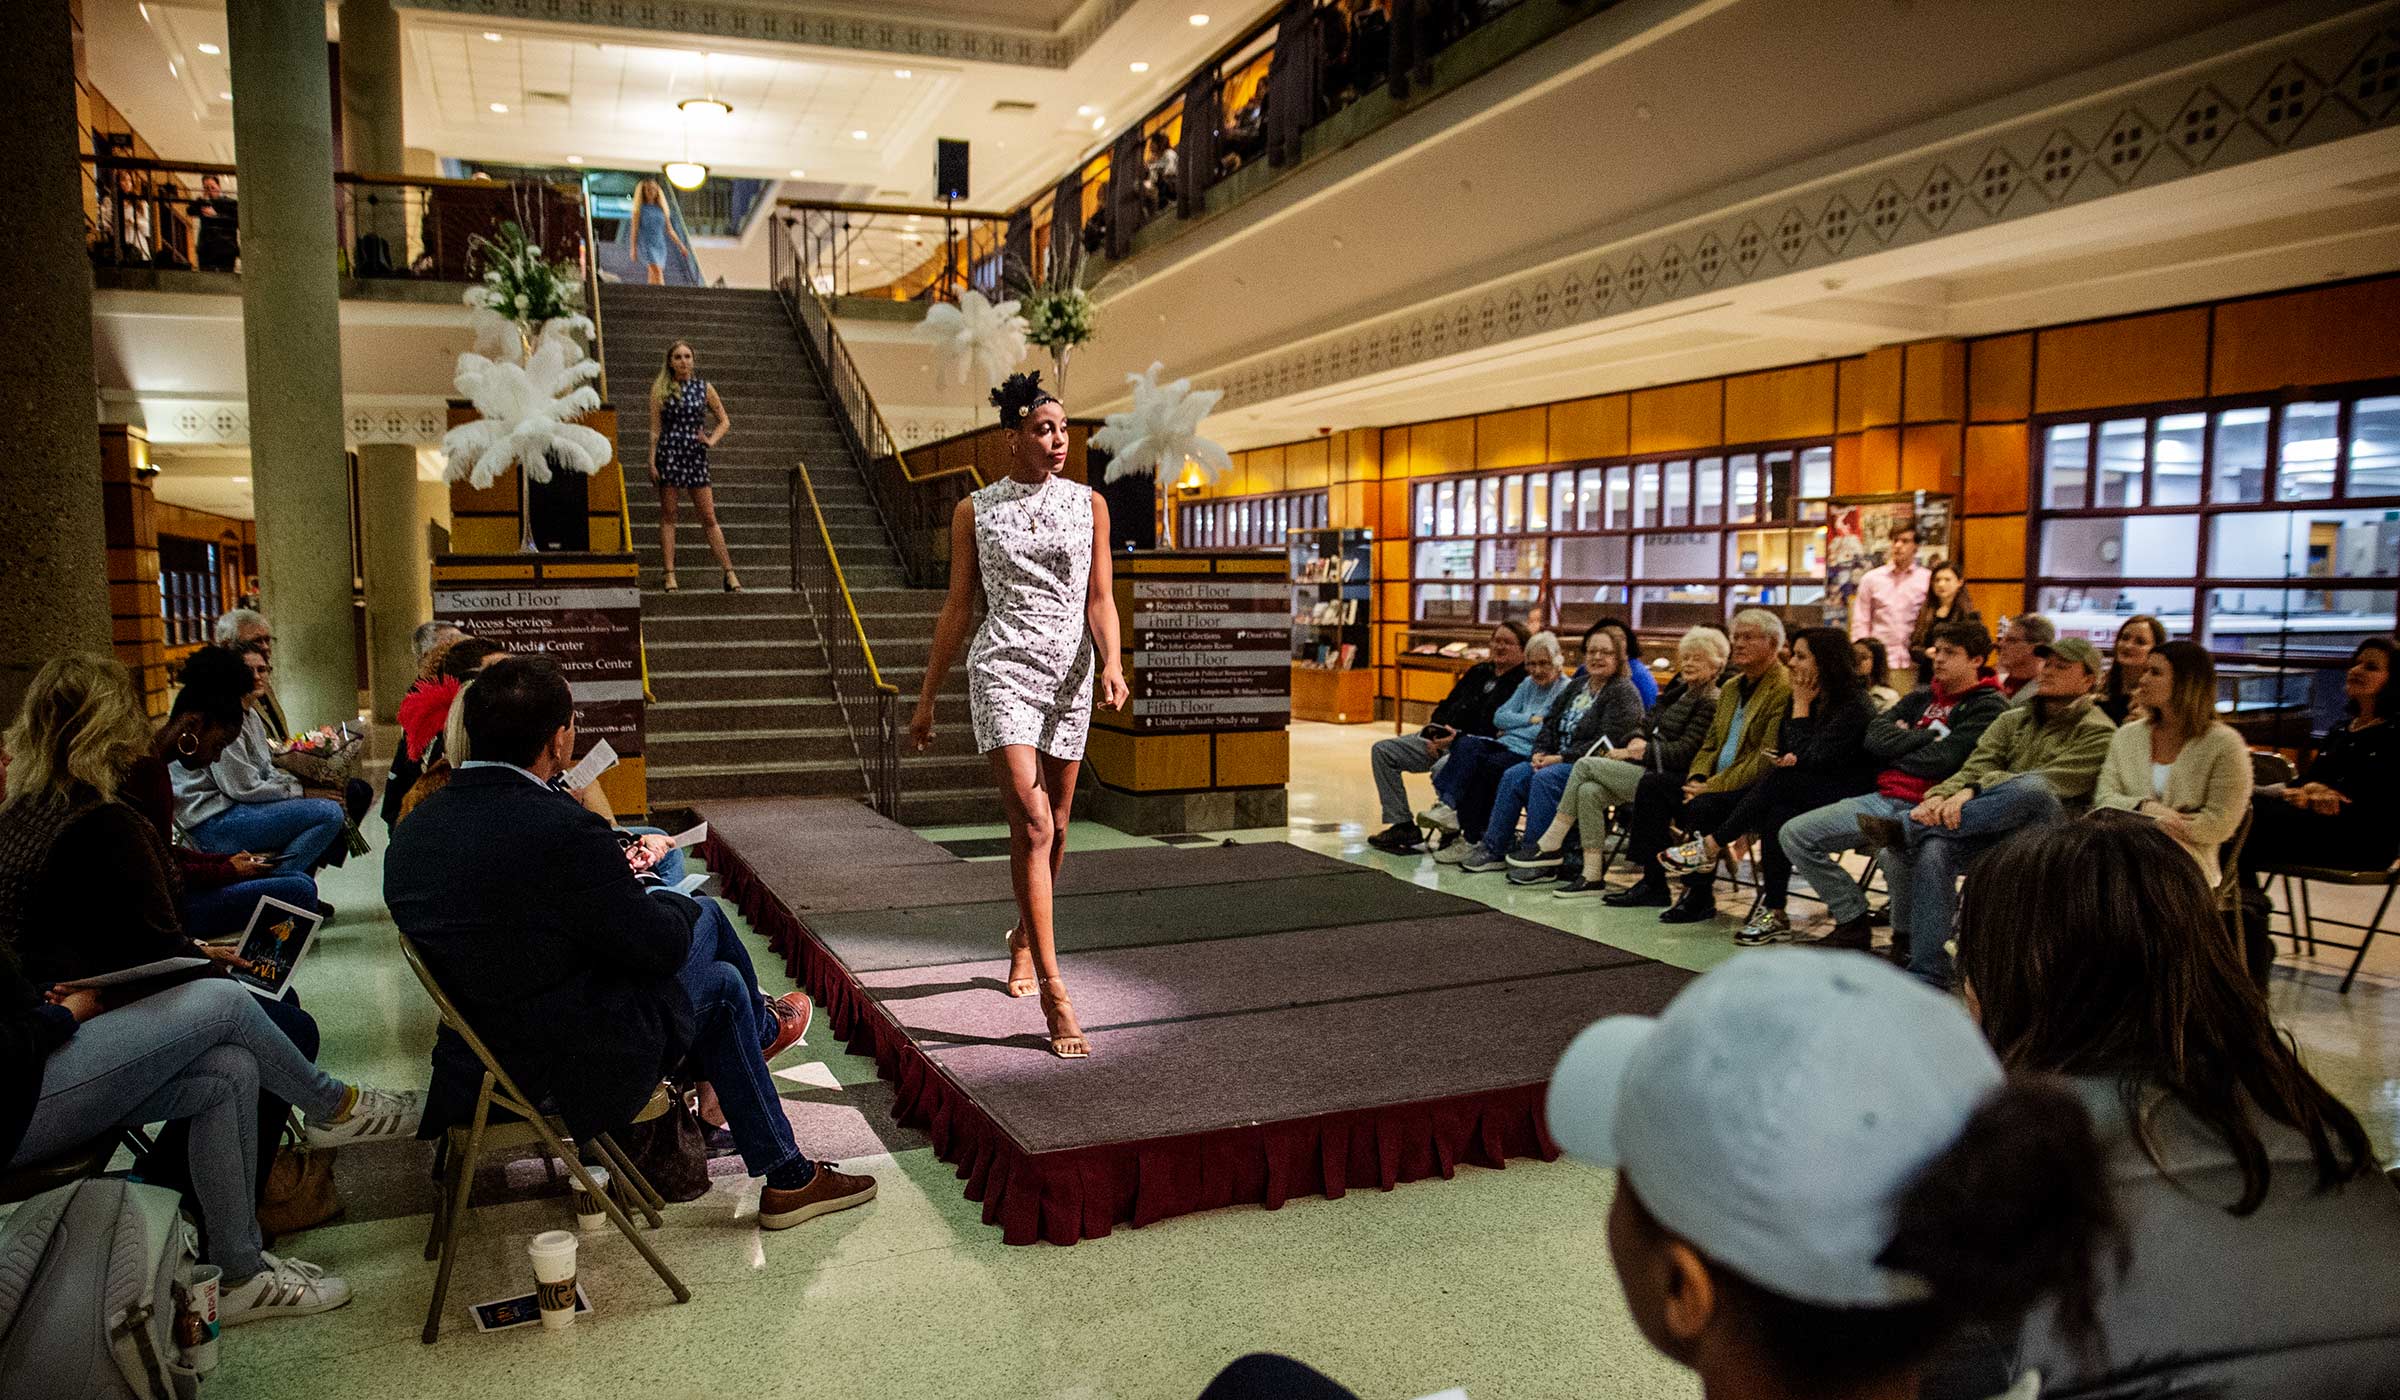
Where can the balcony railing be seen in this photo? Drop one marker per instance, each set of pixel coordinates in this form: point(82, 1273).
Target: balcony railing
point(187, 215)
point(888, 252)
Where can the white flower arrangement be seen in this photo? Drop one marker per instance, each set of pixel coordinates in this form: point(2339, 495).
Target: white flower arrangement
point(528, 376)
point(518, 283)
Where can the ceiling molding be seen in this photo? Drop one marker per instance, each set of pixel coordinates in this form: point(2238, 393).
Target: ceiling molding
point(2299, 91)
point(823, 28)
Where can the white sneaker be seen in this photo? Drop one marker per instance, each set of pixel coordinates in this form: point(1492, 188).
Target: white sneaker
point(379, 1115)
point(1455, 852)
point(1439, 817)
point(285, 1288)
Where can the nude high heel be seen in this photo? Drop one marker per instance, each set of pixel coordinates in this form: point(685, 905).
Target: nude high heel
point(1020, 955)
point(1068, 1044)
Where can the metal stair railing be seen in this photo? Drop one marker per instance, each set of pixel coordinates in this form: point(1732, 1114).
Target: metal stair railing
point(870, 705)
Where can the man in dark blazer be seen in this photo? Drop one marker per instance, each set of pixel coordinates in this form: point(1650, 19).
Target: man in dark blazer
point(586, 985)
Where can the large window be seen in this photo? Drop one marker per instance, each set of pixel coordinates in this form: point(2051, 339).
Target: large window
point(1250, 522)
point(2267, 529)
point(189, 596)
point(1676, 540)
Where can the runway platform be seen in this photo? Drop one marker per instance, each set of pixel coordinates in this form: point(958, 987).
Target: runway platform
point(1266, 1022)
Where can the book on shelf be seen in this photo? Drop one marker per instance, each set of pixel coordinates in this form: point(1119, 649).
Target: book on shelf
point(1349, 654)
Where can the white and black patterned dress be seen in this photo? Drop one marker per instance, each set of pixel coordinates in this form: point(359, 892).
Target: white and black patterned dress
point(682, 456)
point(1029, 672)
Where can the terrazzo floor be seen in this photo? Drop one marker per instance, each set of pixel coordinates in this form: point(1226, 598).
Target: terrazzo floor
point(1497, 1281)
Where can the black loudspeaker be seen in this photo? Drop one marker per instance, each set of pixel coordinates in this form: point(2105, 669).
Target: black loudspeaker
point(949, 169)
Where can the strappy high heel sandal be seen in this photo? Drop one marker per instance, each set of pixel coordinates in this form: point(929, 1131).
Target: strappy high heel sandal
point(732, 584)
point(1069, 1044)
point(1020, 955)
point(669, 585)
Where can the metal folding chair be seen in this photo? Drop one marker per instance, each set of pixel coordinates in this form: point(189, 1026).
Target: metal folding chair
point(2303, 920)
point(464, 1145)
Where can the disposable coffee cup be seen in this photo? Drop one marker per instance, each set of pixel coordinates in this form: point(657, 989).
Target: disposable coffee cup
point(590, 1214)
point(553, 1253)
point(207, 1280)
point(202, 1358)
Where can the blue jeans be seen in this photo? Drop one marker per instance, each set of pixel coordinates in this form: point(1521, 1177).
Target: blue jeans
point(1813, 839)
point(1934, 857)
point(670, 866)
point(226, 909)
point(1534, 793)
point(298, 829)
point(730, 1026)
point(202, 1051)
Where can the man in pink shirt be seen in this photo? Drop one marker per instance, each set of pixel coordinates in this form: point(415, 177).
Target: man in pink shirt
point(1890, 596)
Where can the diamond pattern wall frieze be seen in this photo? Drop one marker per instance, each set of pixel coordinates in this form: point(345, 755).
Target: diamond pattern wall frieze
point(708, 18)
point(2117, 141)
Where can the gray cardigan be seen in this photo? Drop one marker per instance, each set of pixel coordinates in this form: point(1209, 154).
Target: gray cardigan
point(1614, 714)
point(245, 772)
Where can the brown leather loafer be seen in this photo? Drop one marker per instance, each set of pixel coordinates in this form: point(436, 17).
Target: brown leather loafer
point(826, 1192)
point(792, 1012)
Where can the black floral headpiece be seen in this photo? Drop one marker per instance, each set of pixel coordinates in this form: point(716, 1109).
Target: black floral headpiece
point(1019, 395)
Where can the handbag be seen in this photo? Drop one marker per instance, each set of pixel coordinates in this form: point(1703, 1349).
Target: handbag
point(298, 1192)
point(671, 1152)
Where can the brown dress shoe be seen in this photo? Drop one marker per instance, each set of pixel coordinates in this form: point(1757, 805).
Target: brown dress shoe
point(792, 1012)
point(825, 1193)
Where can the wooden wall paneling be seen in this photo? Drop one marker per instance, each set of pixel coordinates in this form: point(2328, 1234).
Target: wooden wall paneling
point(2326, 335)
point(1262, 759)
point(1849, 394)
point(1518, 437)
point(1993, 547)
point(1997, 599)
point(1997, 463)
point(1879, 460)
point(1929, 457)
point(1267, 471)
point(1394, 452)
point(1441, 448)
point(1307, 465)
point(1677, 417)
point(1397, 523)
point(1879, 400)
point(1933, 381)
point(1391, 559)
point(988, 451)
point(1776, 404)
point(1581, 429)
point(2135, 360)
point(2000, 378)
point(1391, 599)
point(1849, 467)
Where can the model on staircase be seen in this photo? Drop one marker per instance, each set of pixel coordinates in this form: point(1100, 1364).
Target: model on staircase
point(681, 404)
point(1036, 546)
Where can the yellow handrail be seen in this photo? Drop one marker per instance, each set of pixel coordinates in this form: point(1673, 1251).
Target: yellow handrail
point(849, 604)
point(899, 458)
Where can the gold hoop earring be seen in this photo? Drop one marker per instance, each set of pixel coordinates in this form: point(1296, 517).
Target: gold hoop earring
point(187, 744)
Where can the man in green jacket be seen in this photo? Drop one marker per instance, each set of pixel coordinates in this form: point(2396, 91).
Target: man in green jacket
point(2037, 763)
point(1752, 700)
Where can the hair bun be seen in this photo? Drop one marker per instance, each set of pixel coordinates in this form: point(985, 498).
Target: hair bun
point(1019, 395)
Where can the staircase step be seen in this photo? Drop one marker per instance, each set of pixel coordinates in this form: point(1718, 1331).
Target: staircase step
point(742, 684)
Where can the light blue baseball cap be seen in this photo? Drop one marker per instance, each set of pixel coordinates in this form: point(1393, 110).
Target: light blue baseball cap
point(1776, 1111)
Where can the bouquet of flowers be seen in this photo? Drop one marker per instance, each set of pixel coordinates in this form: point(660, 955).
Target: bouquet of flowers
point(1058, 318)
point(518, 284)
point(325, 756)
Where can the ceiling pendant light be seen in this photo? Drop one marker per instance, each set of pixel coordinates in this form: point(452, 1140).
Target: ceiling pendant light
point(686, 174)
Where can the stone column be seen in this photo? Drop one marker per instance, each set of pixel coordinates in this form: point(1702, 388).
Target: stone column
point(291, 334)
point(371, 125)
point(53, 561)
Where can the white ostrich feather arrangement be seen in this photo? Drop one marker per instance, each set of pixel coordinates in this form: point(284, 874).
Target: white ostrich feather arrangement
point(1162, 430)
point(526, 403)
point(975, 339)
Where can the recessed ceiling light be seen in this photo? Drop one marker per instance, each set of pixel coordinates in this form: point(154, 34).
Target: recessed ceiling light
point(799, 174)
point(1140, 67)
point(210, 49)
point(1087, 111)
point(501, 107)
point(902, 73)
point(574, 160)
point(224, 97)
point(1099, 122)
point(912, 218)
point(703, 107)
point(1199, 21)
point(862, 262)
point(241, 478)
point(858, 136)
point(492, 35)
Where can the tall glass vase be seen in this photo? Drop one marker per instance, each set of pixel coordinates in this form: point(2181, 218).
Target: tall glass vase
point(1058, 370)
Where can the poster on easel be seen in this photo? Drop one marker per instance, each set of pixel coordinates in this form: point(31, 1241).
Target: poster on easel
point(1858, 535)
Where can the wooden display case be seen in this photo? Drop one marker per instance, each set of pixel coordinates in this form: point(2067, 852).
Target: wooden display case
point(1333, 625)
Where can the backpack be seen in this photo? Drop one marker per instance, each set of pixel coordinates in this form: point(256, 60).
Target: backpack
point(88, 1280)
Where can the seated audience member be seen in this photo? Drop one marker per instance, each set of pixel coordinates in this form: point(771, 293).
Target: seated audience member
point(1920, 741)
point(2175, 762)
point(1752, 700)
point(2016, 658)
point(1631, 650)
point(1874, 666)
point(2260, 1233)
point(219, 892)
point(2035, 766)
point(1823, 759)
point(85, 890)
point(1671, 734)
point(2343, 814)
point(1470, 779)
point(1823, 1179)
point(1599, 714)
point(2140, 635)
point(243, 802)
point(432, 642)
point(1159, 183)
point(586, 986)
point(243, 628)
point(1468, 709)
point(1947, 599)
